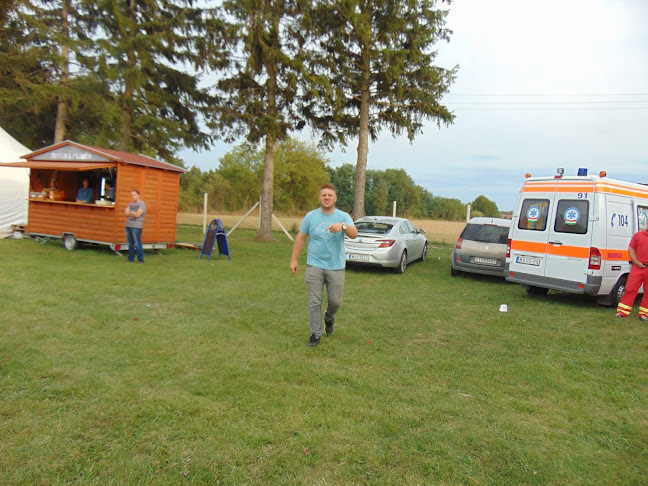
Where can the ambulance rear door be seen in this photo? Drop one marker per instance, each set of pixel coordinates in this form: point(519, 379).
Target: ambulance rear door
point(570, 233)
point(529, 234)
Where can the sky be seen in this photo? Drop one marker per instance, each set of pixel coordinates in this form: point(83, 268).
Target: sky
point(540, 86)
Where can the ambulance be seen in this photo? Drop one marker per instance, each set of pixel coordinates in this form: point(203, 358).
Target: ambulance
point(571, 233)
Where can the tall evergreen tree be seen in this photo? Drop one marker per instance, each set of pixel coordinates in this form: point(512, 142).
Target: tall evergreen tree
point(371, 67)
point(40, 47)
point(151, 53)
point(258, 87)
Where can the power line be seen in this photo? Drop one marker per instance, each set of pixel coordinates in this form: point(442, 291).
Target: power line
point(546, 94)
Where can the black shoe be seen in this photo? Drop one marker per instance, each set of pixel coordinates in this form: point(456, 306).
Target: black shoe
point(314, 341)
point(328, 326)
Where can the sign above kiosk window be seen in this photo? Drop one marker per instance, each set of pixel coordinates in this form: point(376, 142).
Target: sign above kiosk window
point(71, 153)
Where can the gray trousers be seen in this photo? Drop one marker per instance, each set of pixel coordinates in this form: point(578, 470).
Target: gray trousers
point(316, 278)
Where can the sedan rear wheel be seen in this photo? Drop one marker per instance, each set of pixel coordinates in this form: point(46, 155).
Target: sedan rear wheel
point(402, 265)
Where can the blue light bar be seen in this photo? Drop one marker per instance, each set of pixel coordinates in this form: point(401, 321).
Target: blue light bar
point(582, 172)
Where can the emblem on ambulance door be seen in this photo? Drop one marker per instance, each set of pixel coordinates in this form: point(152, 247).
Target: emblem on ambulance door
point(571, 215)
point(533, 214)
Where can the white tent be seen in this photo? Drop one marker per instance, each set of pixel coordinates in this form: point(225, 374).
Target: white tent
point(14, 183)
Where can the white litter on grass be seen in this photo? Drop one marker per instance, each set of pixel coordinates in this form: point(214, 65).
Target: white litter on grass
point(503, 308)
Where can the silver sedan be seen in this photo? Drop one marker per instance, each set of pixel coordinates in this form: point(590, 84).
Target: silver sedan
point(387, 242)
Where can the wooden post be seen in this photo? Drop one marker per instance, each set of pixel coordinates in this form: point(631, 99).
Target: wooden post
point(204, 213)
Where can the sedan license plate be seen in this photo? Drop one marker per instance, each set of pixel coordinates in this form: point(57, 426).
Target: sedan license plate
point(485, 261)
point(362, 258)
point(525, 260)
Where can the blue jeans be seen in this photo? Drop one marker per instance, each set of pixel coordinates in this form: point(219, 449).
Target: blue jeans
point(134, 237)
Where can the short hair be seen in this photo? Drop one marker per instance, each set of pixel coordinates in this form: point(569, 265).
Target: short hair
point(135, 190)
point(328, 186)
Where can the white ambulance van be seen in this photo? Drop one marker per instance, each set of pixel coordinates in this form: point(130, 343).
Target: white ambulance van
point(571, 233)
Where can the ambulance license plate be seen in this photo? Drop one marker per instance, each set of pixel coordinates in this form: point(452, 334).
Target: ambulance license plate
point(485, 261)
point(362, 258)
point(525, 260)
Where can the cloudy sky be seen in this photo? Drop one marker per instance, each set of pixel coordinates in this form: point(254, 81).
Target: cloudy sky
point(541, 85)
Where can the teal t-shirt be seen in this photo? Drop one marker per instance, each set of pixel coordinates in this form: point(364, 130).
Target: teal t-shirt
point(325, 249)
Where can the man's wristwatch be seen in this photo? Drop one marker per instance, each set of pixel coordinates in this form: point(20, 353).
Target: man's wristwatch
point(343, 226)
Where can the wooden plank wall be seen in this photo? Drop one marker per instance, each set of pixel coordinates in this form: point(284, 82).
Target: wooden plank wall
point(159, 189)
point(94, 223)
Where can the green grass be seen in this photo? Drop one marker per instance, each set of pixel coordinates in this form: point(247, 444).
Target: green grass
point(189, 371)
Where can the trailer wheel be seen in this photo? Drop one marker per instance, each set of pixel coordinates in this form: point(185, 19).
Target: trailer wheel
point(533, 290)
point(70, 242)
point(618, 290)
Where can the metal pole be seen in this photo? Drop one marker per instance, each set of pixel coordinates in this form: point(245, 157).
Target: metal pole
point(394, 212)
point(204, 213)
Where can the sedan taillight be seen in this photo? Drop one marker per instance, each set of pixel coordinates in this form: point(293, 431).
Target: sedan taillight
point(385, 243)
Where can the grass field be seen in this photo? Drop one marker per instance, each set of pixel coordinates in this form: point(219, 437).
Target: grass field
point(189, 371)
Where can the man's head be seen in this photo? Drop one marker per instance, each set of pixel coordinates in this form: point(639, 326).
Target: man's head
point(135, 195)
point(85, 183)
point(108, 185)
point(328, 197)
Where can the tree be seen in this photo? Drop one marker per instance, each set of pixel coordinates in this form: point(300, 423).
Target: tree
point(486, 206)
point(300, 174)
point(41, 48)
point(342, 178)
point(150, 53)
point(258, 87)
point(371, 67)
point(242, 168)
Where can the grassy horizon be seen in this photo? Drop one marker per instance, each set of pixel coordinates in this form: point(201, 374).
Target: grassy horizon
point(185, 370)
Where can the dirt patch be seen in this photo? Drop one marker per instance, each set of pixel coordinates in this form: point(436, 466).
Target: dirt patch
point(439, 231)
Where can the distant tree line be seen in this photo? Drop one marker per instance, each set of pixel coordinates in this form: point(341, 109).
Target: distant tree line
point(300, 170)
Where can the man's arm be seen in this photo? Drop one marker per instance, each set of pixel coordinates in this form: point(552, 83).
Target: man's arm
point(300, 239)
point(633, 257)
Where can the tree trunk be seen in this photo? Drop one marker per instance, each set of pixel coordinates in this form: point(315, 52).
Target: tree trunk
point(267, 192)
point(62, 107)
point(125, 144)
point(363, 151)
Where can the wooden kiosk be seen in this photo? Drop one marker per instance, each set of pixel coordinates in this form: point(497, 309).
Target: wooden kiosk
point(57, 172)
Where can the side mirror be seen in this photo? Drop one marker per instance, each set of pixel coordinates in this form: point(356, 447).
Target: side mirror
point(421, 230)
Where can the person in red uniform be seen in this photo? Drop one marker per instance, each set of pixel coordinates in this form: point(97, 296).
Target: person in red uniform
point(638, 251)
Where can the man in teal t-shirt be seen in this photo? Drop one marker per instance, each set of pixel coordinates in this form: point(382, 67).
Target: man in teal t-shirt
point(325, 259)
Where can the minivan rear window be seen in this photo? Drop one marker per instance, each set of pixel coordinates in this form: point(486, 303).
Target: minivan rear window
point(533, 215)
point(488, 233)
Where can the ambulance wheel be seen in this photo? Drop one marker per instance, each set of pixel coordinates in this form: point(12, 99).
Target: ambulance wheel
point(533, 290)
point(618, 290)
point(70, 242)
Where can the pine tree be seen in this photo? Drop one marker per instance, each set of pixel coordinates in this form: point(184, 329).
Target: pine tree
point(371, 65)
point(258, 89)
point(40, 47)
point(151, 54)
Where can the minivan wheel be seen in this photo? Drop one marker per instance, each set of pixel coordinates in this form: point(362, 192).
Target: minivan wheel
point(70, 242)
point(454, 273)
point(533, 290)
point(402, 265)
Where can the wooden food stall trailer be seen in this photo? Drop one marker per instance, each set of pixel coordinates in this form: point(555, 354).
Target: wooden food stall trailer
point(58, 171)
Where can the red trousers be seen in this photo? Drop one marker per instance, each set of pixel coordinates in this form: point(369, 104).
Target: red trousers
point(637, 277)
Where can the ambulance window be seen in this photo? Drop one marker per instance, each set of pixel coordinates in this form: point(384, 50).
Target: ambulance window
point(572, 216)
point(642, 217)
point(533, 215)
